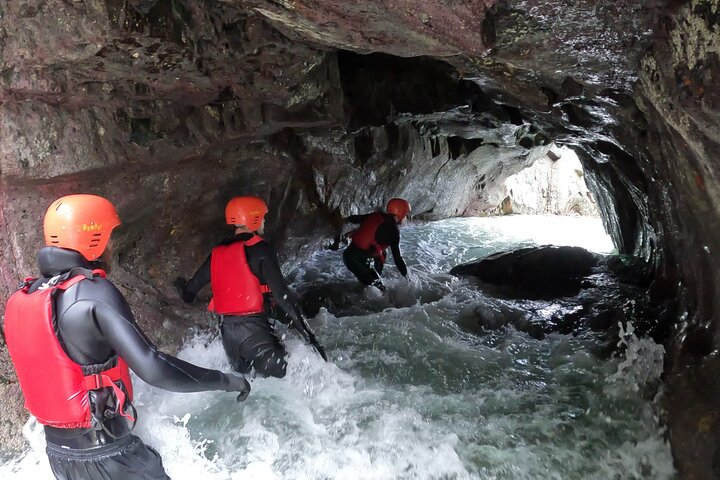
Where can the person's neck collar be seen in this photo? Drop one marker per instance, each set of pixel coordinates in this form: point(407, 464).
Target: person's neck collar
point(54, 261)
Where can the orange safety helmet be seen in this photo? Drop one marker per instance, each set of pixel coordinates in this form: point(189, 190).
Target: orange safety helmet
point(398, 207)
point(80, 222)
point(248, 211)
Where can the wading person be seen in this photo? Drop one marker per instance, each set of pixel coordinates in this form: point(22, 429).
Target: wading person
point(365, 256)
point(72, 336)
point(245, 277)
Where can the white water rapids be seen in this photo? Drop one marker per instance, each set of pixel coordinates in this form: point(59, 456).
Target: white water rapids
point(410, 394)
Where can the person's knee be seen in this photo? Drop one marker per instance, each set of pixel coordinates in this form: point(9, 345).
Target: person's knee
point(238, 364)
point(369, 277)
point(272, 365)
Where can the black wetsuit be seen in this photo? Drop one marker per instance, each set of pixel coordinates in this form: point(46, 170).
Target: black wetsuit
point(366, 268)
point(250, 340)
point(94, 322)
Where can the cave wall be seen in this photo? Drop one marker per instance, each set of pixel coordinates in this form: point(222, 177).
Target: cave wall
point(171, 107)
point(677, 94)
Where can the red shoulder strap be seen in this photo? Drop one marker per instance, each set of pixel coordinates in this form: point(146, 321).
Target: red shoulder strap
point(77, 278)
point(254, 240)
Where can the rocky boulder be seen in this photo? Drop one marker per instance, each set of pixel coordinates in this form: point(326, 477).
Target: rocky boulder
point(534, 272)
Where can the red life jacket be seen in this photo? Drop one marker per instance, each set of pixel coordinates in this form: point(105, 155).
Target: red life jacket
point(364, 237)
point(236, 290)
point(54, 386)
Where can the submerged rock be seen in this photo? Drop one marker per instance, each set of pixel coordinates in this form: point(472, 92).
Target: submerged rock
point(534, 272)
point(614, 292)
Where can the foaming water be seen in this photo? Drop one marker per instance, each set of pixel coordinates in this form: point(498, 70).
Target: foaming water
point(410, 394)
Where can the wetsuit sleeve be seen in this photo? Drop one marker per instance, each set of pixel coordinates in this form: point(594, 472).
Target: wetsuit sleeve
point(389, 234)
point(200, 279)
point(397, 257)
point(271, 273)
point(115, 320)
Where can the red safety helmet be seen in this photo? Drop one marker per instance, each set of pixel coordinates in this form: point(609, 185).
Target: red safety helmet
point(80, 222)
point(398, 207)
point(248, 211)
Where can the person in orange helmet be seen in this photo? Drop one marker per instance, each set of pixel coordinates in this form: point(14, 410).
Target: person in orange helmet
point(365, 256)
point(72, 339)
point(245, 278)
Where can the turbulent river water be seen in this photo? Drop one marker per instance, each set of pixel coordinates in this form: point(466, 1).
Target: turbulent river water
point(409, 393)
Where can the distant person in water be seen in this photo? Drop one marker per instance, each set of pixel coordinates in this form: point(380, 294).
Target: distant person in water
point(72, 336)
point(365, 256)
point(246, 281)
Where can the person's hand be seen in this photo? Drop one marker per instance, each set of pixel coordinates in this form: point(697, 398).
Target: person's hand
point(237, 383)
point(180, 285)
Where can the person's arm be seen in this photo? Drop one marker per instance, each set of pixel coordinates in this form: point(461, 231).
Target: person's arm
point(397, 258)
point(341, 237)
point(284, 297)
point(115, 320)
point(271, 273)
point(189, 289)
point(394, 236)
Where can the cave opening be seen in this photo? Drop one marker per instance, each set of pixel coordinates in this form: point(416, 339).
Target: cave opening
point(553, 185)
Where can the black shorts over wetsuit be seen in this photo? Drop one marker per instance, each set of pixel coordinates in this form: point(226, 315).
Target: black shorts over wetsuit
point(250, 341)
point(94, 323)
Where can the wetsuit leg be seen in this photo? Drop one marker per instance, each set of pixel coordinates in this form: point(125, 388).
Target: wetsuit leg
point(361, 266)
point(126, 459)
point(250, 342)
point(232, 338)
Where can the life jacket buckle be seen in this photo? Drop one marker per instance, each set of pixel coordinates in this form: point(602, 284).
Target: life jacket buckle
point(98, 381)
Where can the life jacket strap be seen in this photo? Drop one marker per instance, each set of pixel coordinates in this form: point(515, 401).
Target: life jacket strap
point(254, 240)
point(105, 379)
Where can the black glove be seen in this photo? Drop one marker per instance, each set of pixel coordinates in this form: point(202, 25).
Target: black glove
point(236, 383)
point(180, 285)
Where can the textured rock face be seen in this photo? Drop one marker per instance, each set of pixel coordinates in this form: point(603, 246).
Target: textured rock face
point(403, 27)
point(553, 185)
point(171, 107)
point(682, 105)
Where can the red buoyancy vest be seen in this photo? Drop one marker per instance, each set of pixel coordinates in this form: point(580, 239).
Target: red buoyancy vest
point(54, 386)
point(364, 237)
point(236, 290)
